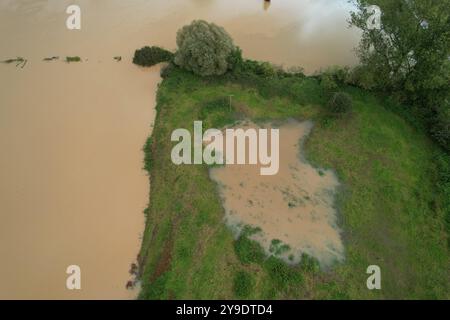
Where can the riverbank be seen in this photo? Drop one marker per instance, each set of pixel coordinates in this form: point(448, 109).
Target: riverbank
point(388, 175)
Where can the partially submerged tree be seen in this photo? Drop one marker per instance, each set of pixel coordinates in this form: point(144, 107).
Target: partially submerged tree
point(204, 48)
point(149, 56)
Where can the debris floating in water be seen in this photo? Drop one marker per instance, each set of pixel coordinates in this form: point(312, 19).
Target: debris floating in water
point(51, 58)
point(19, 61)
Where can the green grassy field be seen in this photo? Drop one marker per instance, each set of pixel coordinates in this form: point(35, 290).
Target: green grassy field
point(390, 210)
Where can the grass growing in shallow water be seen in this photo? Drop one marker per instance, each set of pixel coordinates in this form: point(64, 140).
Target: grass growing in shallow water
point(391, 210)
point(73, 59)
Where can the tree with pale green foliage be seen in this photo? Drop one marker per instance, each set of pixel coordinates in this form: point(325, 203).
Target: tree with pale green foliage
point(204, 48)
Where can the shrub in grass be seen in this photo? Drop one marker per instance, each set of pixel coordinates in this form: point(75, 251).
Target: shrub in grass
point(327, 83)
point(361, 77)
point(261, 69)
point(235, 59)
point(149, 56)
point(338, 74)
point(248, 251)
point(309, 263)
point(248, 230)
point(340, 103)
point(281, 273)
point(295, 71)
point(243, 284)
point(277, 247)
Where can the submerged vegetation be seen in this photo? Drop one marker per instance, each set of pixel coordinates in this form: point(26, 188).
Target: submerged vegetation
point(73, 59)
point(51, 58)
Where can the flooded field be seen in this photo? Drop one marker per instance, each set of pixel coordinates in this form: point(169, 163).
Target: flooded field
point(72, 188)
point(294, 207)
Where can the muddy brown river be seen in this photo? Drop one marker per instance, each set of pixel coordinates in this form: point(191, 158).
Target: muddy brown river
point(72, 189)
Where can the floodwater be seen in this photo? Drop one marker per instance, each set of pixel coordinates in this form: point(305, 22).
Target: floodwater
point(295, 206)
point(72, 189)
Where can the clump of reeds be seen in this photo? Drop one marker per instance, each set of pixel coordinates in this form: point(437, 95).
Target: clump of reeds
point(73, 59)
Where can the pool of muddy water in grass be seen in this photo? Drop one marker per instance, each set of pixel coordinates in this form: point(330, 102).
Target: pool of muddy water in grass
point(294, 209)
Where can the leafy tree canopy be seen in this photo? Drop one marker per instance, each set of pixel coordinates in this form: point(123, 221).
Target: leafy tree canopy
point(204, 48)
